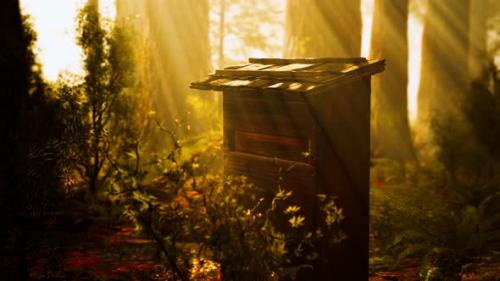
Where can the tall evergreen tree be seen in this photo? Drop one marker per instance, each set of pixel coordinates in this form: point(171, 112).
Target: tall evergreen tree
point(92, 40)
point(99, 123)
point(391, 133)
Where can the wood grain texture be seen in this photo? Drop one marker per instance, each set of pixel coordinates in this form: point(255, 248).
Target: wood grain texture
point(290, 148)
point(265, 131)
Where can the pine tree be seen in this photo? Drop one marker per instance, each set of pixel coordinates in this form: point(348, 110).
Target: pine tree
point(99, 121)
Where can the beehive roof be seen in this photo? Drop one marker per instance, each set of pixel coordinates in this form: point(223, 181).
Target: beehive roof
point(292, 75)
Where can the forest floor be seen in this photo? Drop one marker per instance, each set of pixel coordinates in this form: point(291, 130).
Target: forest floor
point(485, 273)
point(96, 251)
point(92, 251)
point(478, 272)
point(104, 252)
point(100, 252)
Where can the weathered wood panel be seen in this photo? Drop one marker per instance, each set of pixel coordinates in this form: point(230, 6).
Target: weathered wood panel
point(270, 173)
point(269, 125)
point(306, 60)
point(267, 171)
point(343, 171)
point(290, 148)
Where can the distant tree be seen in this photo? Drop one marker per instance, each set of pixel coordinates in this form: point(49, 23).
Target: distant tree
point(445, 50)
point(391, 132)
point(478, 56)
point(317, 28)
point(97, 103)
point(222, 32)
point(254, 24)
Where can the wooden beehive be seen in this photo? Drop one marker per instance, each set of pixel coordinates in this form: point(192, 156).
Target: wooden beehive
point(306, 121)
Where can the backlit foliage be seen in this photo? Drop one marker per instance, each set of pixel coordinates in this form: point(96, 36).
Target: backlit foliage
point(194, 213)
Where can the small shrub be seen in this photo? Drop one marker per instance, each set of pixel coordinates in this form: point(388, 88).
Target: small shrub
point(194, 213)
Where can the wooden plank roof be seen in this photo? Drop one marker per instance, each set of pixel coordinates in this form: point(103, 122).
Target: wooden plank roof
point(292, 75)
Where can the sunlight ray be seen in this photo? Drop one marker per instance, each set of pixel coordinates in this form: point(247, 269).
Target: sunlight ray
point(415, 30)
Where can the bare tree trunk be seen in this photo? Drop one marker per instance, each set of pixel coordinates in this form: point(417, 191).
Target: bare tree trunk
point(222, 18)
point(444, 71)
point(14, 141)
point(318, 28)
point(15, 134)
point(478, 57)
point(14, 78)
point(391, 133)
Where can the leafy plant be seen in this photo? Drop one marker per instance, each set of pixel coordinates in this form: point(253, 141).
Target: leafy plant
point(446, 214)
point(445, 226)
point(194, 214)
point(101, 109)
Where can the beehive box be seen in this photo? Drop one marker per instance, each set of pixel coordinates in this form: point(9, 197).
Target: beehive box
point(305, 124)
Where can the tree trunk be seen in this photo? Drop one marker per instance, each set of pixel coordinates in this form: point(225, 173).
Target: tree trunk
point(14, 142)
point(318, 28)
point(391, 133)
point(14, 81)
point(444, 71)
point(222, 31)
point(478, 57)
